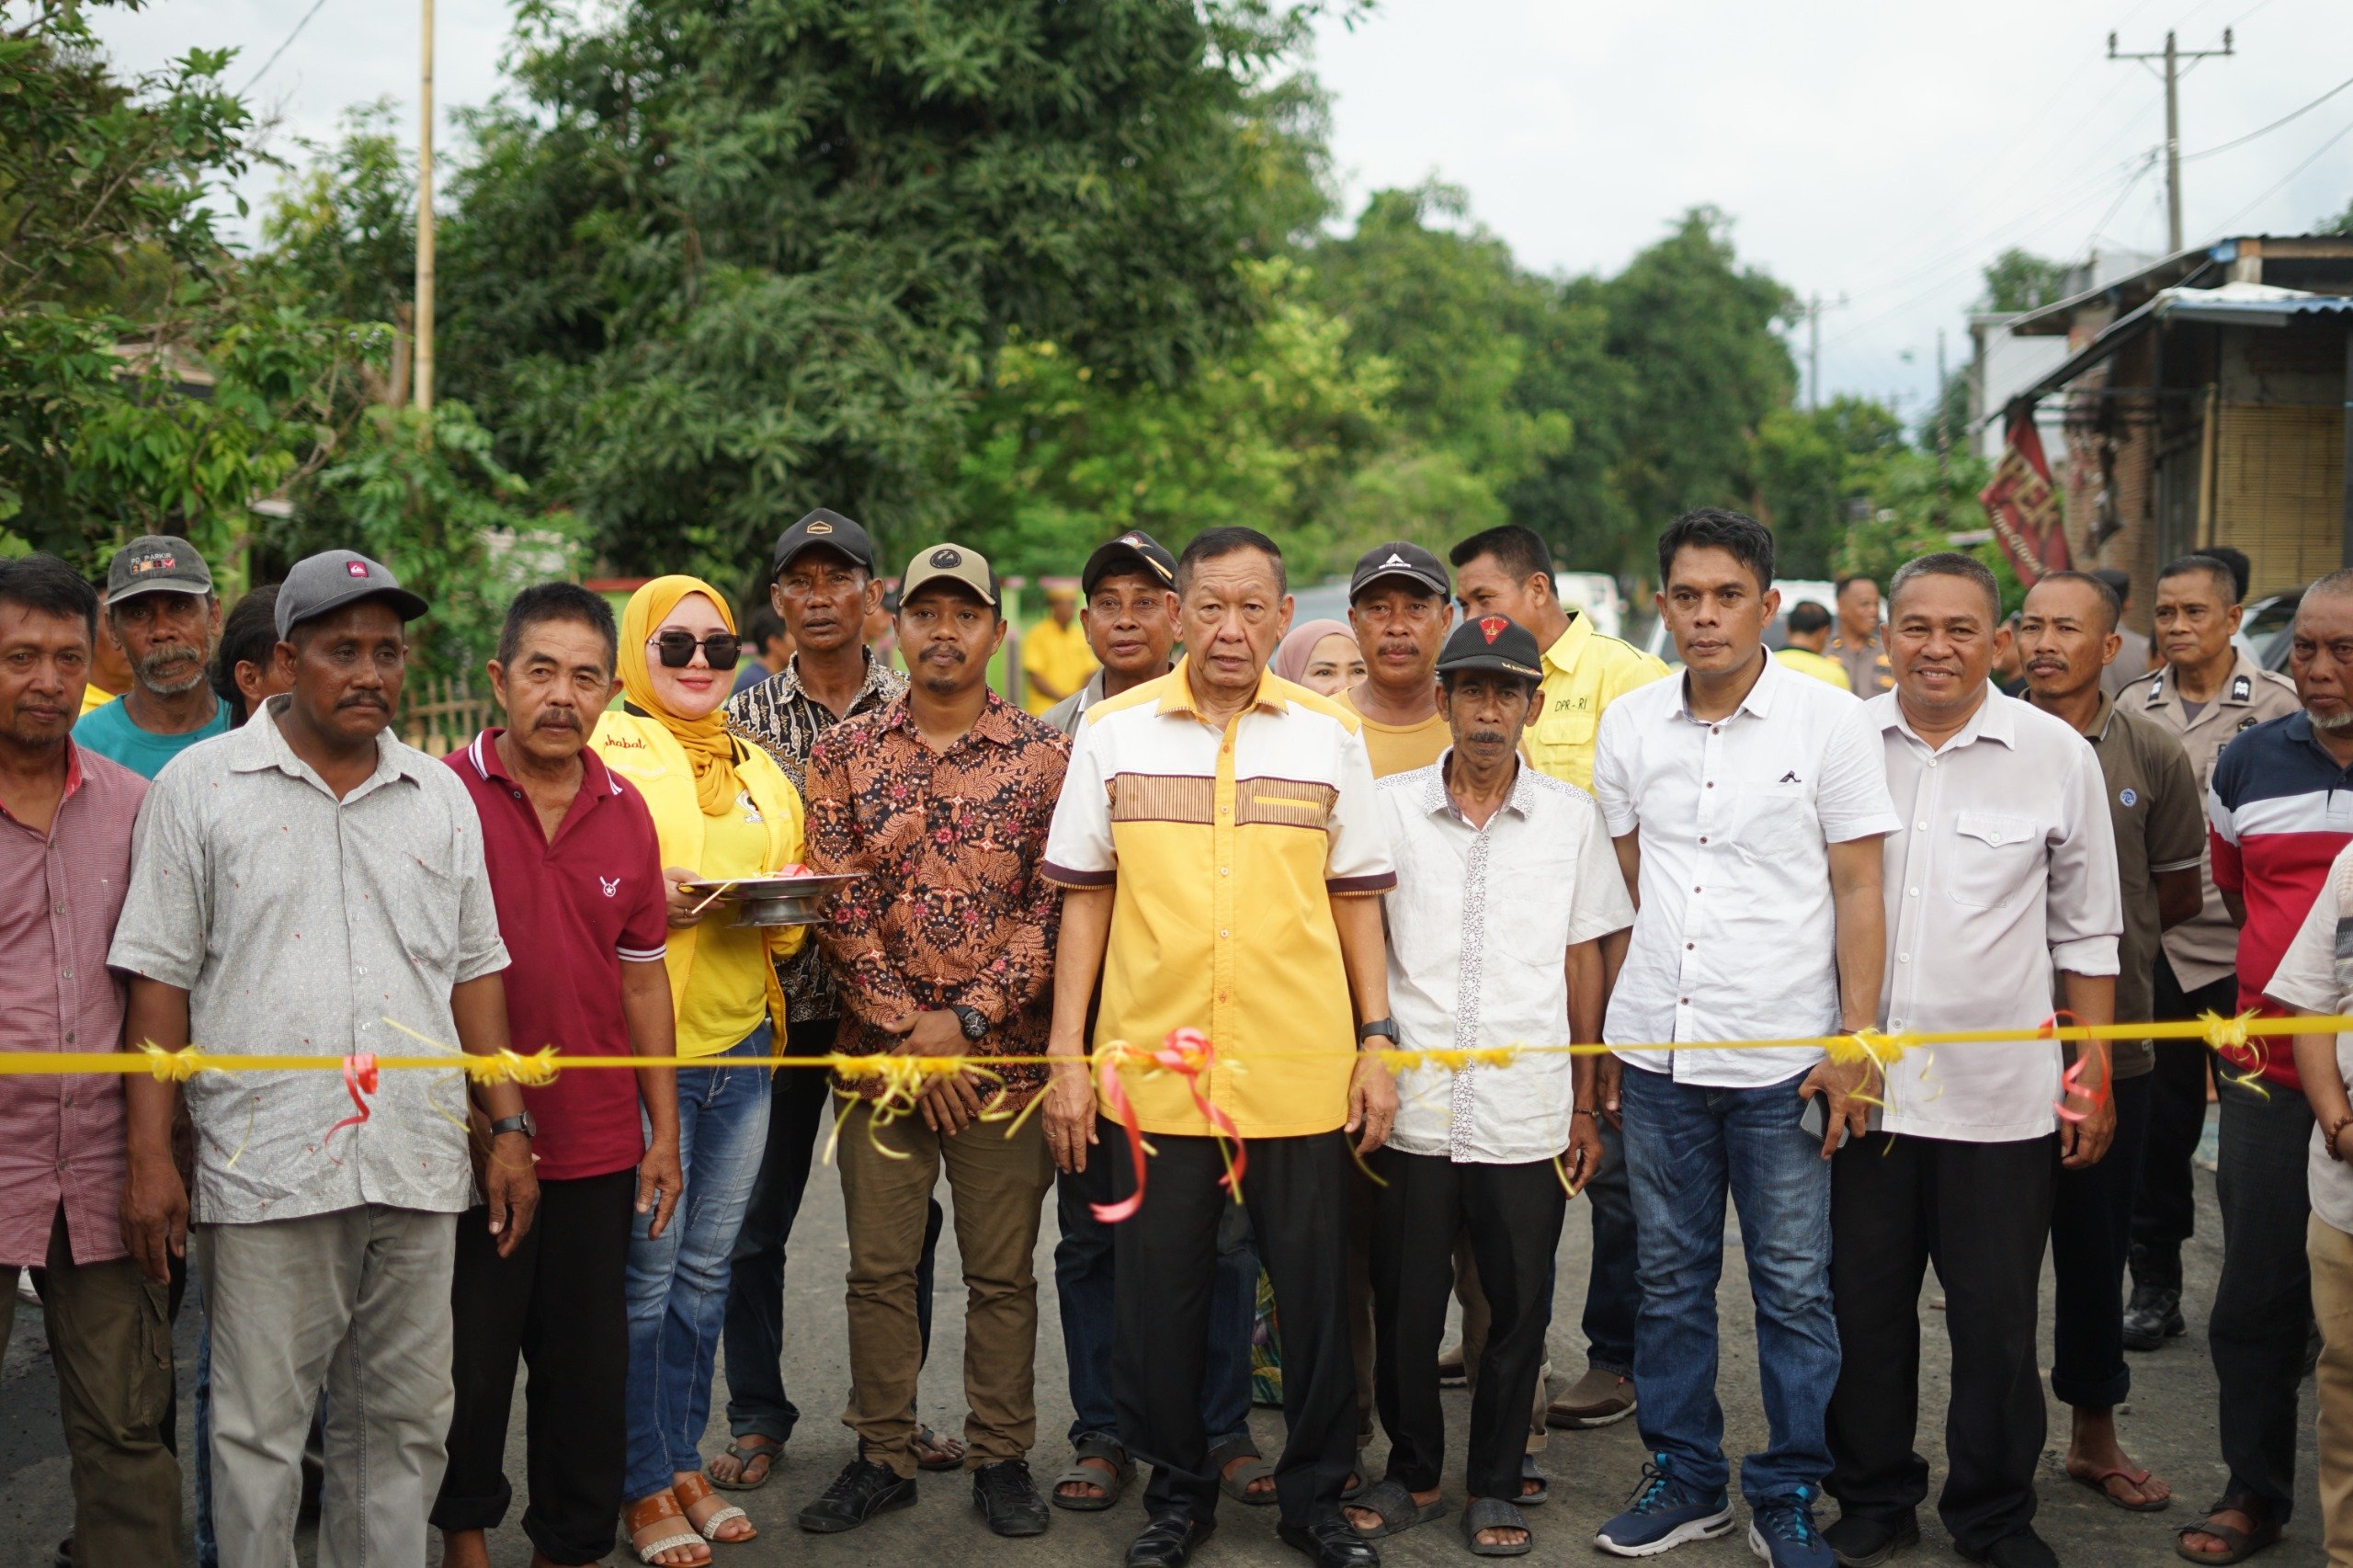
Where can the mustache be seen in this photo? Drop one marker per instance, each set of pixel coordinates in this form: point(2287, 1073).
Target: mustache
point(1484, 737)
point(556, 719)
point(171, 669)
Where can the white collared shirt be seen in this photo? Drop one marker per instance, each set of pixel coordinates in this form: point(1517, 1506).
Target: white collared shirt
point(2002, 869)
point(1479, 926)
point(1737, 937)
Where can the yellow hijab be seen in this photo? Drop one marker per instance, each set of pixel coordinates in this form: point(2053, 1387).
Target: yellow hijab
point(706, 740)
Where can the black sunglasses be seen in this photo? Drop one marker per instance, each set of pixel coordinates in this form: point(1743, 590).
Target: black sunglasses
point(722, 649)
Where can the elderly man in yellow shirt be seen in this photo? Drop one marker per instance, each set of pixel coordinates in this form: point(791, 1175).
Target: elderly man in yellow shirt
point(1222, 852)
point(1056, 659)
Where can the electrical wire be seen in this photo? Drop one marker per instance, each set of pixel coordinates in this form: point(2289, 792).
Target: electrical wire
point(282, 48)
point(2243, 140)
point(2227, 222)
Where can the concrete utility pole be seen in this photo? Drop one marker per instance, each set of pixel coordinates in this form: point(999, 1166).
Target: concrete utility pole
point(2173, 58)
point(1812, 310)
point(424, 224)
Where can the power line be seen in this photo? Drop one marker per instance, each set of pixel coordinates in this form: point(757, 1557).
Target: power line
point(2291, 175)
point(282, 48)
point(2243, 140)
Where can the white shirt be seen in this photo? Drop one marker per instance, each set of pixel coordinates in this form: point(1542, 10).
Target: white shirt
point(1737, 937)
point(1479, 926)
point(2004, 868)
point(2316, 974)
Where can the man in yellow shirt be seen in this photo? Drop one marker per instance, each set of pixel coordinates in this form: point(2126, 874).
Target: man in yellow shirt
point(1508, 571)
point(1398, 610)
point(1056, 659)
point(1809, 626)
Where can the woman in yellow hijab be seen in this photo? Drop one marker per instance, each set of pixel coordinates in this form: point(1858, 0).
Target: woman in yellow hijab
point(722, 809)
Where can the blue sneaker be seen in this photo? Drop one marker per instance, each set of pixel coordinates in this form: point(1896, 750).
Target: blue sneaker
point(1780, 1530)
point(1663, 1513)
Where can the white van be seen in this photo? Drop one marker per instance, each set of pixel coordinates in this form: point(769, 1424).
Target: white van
point(1595, 594)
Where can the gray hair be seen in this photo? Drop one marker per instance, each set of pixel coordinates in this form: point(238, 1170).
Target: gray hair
point(1948, 564)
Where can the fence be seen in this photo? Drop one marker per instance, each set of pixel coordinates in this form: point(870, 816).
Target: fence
point(439, 715)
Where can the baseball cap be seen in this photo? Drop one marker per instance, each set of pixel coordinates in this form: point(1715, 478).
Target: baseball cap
point(1399, 558)
point(1134, 548)
point(824, 527)
point(157, 564)
point(321, 583)
point(1493, 643)
point(954, 563)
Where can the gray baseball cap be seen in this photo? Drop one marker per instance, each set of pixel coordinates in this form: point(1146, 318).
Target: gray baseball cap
point(322, 584)
point(157, 564)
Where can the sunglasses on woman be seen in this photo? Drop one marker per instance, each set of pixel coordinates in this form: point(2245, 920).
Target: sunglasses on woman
point(720, 649)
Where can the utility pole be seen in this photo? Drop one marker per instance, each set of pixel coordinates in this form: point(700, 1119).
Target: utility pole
point(2173, 58)
point(424, 224)
point(1812, 310)
point(1944, 433)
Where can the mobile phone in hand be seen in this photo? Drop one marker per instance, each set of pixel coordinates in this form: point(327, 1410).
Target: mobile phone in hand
point(1810, 1121)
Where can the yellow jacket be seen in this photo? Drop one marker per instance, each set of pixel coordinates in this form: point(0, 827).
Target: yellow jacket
point(641, 751)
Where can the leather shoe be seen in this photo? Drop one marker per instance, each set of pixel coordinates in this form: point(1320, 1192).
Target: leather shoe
point(2153, 1316)
point(862, 1490)
point(1331, 1543)
point(1008, 1499)
point(2019, 1549)
point(1168, 1541)
point(1860, 1541)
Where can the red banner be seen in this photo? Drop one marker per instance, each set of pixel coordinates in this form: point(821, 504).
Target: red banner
point(2028, 521)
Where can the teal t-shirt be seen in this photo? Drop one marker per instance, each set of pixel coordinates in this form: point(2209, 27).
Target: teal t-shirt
point(110, 732)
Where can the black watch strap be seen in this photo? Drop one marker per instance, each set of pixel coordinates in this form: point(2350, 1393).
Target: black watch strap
point(971, 1020)
point(1384, 1028)
point(522, 1124)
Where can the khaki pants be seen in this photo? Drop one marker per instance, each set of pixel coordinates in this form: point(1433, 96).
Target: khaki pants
point(2331, 1252)
point(110, 1340)
point(996, 1187)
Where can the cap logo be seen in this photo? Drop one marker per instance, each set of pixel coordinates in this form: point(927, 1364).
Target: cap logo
point(1397, 560)
point(355, 568)
point(819, 526)
point(146, 564)
point(1132, 538)
point(1491, 627)
point(947, 558)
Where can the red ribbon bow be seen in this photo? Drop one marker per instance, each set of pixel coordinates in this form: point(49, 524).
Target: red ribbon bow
point(1188, 1055)
point(2071, 1081)
point(359, 1081)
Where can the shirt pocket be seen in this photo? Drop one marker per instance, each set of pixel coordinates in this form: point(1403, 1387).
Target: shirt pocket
point(1773, 820)
point(1567, 731)
point(428, 919)
point(1996, 858)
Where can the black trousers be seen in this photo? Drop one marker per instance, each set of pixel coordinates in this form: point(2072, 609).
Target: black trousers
point(2263, 1303)
point(1164, 1258)
point(1512, 1215)
point(558, 1302)
point(1981, 1212)
point(2164, 1215)
point(2091, 1224)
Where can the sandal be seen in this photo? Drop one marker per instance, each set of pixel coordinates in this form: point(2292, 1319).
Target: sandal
point(2238, 1544)
point(695, 1489)
point(2098, 1481)
point(1527, 1472)
point(936, 1453)
point(1395, 1507)
point(1495, 1514)
point(1094, 1445)
point(645, 1513)
point(767, 1458)
point(1237, 1486)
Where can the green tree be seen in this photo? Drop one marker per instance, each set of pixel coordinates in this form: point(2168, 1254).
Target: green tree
point(1810, 467)
point(2020, 280)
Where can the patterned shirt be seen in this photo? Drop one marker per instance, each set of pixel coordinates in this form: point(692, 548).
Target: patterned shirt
point(779, 717)
point(952, 910)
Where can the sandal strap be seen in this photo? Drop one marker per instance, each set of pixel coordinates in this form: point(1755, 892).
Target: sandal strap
point(710, 1526)
point(1095, 1446)
point(1493, 1514)
point(653, 1549)
point(651, 1510)
point(691, 1491)
point(1240, 1448)
point(1389, 1500)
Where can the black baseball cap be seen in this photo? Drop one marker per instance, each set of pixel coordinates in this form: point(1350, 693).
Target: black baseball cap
point(1493, 643)
point(1134, 548)
point(830, 530)
point(1399, 558)
point(322, 584)
point(157, 564)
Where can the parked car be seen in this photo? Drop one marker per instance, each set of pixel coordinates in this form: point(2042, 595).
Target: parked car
point(2267, 625)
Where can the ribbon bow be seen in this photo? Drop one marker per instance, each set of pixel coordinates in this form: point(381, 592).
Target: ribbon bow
point(1189, 1054)
point(359, 1081)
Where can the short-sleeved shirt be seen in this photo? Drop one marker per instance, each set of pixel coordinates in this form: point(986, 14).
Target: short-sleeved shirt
point(2002, 870)
point(94, 697)
point(1059, 654)
point(302, 924)
point(2278, 810)
point(1400, 748)
point(1479, 926)
point(2315, 975)
point(1585, 672)
point(1821, 667)
point(581, 907)
point(1737, 937)
point(2159, 816)
point(1226, 847)
point(61, 893)
point(1868, 673)
point(110, 732)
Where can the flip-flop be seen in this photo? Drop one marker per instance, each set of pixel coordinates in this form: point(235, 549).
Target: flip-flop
point(1397, 1509)
point(927, 1438)
point(1112, 1484)
point(2098, 1481)
point(1495, 1514)
point(766, 1458)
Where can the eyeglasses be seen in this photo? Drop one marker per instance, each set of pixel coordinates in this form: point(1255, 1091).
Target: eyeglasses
point(720, 649)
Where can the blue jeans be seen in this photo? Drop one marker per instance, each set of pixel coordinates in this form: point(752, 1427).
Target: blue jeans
point(1686, 1146)
point(1083, 1284)
point(1613, 1297)
point(678, 1284)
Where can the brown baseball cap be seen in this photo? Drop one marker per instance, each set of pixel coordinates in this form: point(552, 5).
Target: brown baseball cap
point(956, 563)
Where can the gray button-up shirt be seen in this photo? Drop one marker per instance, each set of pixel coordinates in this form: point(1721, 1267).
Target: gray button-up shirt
point(300, 924)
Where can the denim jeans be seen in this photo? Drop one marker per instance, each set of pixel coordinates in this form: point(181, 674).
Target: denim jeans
point(678, 1284)
point(1686, 1145)
point(1612, 1295)
point(1083, 1284)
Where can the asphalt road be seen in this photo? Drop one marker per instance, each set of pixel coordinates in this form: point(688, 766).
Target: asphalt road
point(2168, 1426)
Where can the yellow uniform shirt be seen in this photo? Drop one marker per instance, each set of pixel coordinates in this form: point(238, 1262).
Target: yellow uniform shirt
point(729, 994)
point(1401, 748)
point(1226, 847)
point(1821, 667)
point(1058, 655)
point(94, 697)
point(1585, 672)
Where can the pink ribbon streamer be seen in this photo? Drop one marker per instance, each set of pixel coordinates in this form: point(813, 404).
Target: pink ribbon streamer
point(359, 1081)
point(1189, 1055)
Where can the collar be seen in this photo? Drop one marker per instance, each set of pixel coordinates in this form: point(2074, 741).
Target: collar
point(1996, 719)
point(261, 748)
point(72, 783)
point(1437, 802)
point(877, 680)
point(1177, 694)
point(2105, 720)
point(1760, 699)
point(2238, 686)
point(995, 724)
point(596, 778)
point(1570, 645)
point(2299, 730)
point(1839, 643)
point(1092, 692)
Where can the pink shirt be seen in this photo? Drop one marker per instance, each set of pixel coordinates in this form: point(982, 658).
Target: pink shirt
point(62, 1138)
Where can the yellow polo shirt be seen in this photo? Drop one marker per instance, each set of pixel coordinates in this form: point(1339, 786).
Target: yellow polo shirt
point(94, 697)
point(1226, 847)
point(1821, 667)
point(1585, 672)
point(1401, 748)
point(1058, 654)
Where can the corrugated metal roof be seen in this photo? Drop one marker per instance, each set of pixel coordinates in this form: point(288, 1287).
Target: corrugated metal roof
point(2245, 304)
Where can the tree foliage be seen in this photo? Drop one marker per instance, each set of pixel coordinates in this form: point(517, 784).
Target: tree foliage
point(2020, 280)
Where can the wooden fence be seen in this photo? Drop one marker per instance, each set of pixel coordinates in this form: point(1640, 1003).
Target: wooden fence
point(438, 715)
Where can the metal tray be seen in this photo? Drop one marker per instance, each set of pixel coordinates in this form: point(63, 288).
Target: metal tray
point(772, 901)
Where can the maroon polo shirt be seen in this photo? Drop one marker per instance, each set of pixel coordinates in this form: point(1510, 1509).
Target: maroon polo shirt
point(571, 913)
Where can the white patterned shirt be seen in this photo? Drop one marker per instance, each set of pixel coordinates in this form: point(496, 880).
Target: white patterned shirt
point(1479, 926)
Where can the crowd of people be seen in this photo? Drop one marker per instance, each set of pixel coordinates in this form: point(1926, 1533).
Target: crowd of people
point(1153, 940)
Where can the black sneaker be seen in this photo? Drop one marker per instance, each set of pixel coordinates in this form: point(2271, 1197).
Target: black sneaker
point(1008, 1499)
point(2153, 1316)
point(862, 1490)
point(1861, 1542)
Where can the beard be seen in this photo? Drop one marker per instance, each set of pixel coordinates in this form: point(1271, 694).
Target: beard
point(169, 672)
point(2334, 724)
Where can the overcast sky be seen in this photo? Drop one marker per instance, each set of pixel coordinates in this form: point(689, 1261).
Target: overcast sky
point(1875, 149)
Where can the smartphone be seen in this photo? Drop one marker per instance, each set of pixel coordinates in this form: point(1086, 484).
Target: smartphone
point(1810, 1121)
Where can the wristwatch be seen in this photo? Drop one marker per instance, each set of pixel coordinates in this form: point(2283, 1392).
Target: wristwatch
point(969, 1021)
point(524, 1124)
point(1385, 1028)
